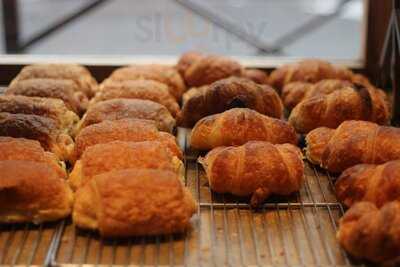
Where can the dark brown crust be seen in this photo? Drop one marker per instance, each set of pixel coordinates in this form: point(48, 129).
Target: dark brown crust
point(238, 126)
point(116, 109)
point(139, 89)
point(367, 232)
point(65, 90)
point(230, 93)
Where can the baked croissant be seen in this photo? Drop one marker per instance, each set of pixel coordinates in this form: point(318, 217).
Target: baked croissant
point(378, 184)
point(160, 73)
point(140, 89)
point(32, 192)
point(309, 70)
point(76, 73)
point(119, 108)
point(353, 142)
point(367, 232)
point(66, 90)
point(45, 107)
point(230, 93)
point(347, 103)
point(30, 150)
point(257, 76)
point(134, 202)
point(199, 69)
point(131, 130)
point(42, 129)
point(119, 155)
point(256, 168)
point(238, 126)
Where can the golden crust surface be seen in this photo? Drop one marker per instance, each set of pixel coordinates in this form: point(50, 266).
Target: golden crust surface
point(134, 202)
point(256, 75)
point(238, 126)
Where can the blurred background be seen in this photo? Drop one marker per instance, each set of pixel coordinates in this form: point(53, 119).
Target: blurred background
point(290, 28)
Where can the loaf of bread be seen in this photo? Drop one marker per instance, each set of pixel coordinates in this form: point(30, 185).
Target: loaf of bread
point(119, 108)
point(134, 202)
point(118, 155)
point(160, 73)
point(237, 126)
point(331, 108)
point(257, 169)
point(230, 93)
point(367, 232)
point(378, 184)
point(76, 73)
point(42, 129)
point(353, 142)
point(66, 90)
point(32, 192)
point(129, 130)
point(139, 89)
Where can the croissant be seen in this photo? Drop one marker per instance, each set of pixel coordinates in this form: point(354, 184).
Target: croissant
point(118, 155)
point(257, 76)
point(134, 202)
point(378, 184)
point(65, 90)
point(160, 73)
point(229, 93)
point(32, 192)
point(45, 107)
point(353, 142)
point(119, 108)
point(256, 168)
point(238, 126)
point(140, 89)
point(348, 103)
point(132, 130)
point(30, 150)
point(309, 70)
point(194, 91)
point(367, 232)
point(42, 129)
point(76, 73)
point(199, 69)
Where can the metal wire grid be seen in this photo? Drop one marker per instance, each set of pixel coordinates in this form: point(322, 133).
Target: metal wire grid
point(295, 231)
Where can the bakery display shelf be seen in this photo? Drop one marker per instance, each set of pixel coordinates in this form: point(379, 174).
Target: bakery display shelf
point(295, 231)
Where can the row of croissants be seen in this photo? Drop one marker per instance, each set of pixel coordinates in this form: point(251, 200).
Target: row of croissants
point(106, 153)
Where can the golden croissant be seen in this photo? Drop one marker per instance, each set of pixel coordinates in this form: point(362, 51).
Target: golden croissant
point(230, 93)
point(353, 142)
point(119, 155)
point(256, 75)
point(237, 126)
point(134, 202)
point(256, 168)
point(371, 233)
point(378, 184)
point(32, 192)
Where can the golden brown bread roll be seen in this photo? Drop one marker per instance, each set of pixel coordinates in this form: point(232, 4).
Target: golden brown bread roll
point(119, 108)
point(238, 126)
point(347, 103)
point(257, 76)
point(32, 192)
point(66, 90)
point(194, 91)
point(230, 93)
point(353, 142)
point(257, 168)
point(76, 73)
point(30, 150)
point(309, 70)
point(160, 73)
point(140, 89)
point(119, 155)
point(367, 232)
point(131, 130)
point(378, 184)
point(186, 60)
point(42, 129)
point(46, 107)
point(134, 202)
